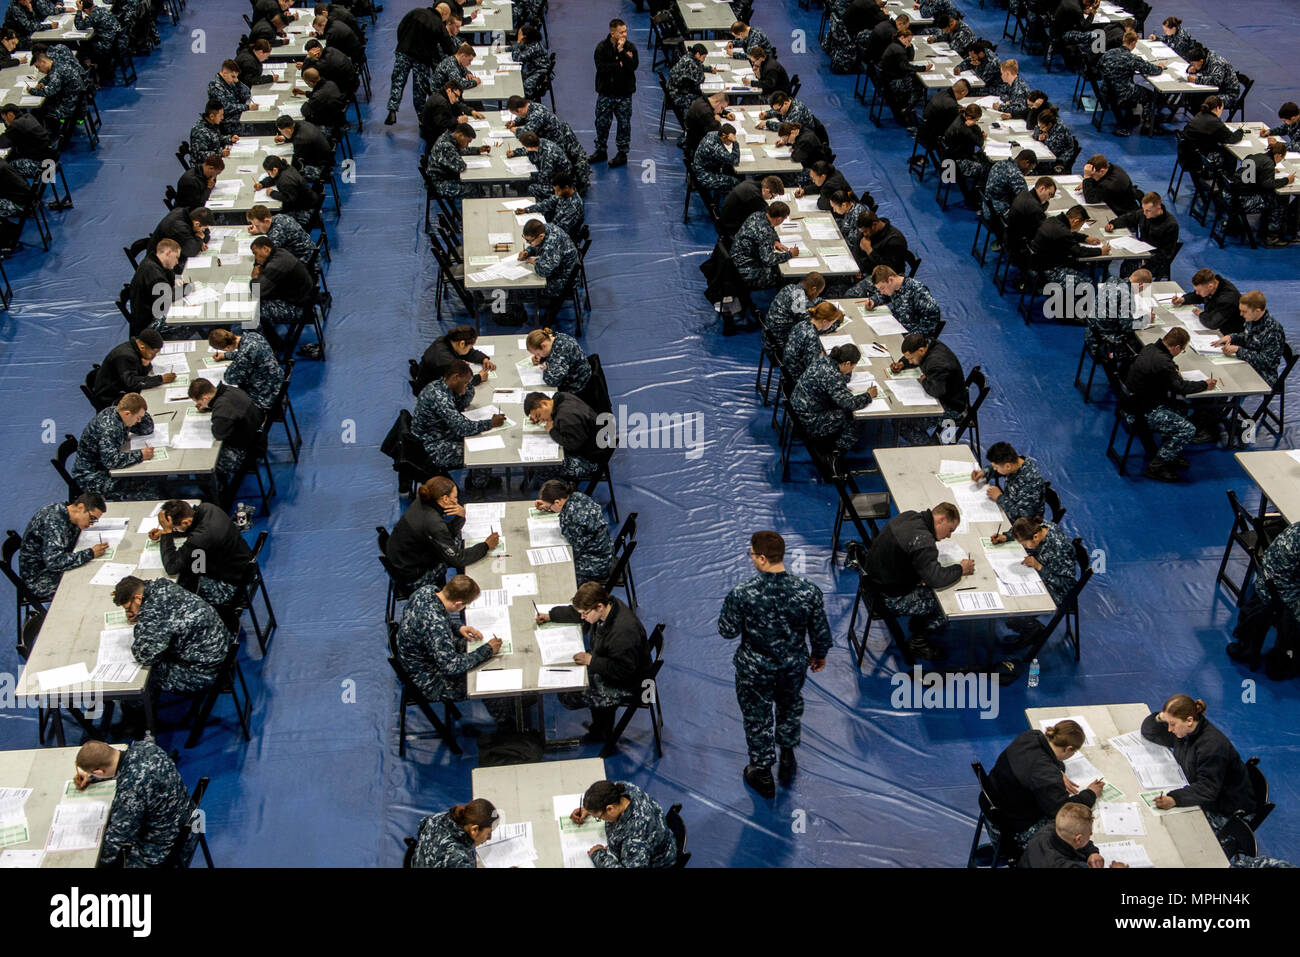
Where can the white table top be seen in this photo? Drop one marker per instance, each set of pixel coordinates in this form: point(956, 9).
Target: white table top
point(178, 461)
point(1277, 473)
point(527, 792)
point(484, 218)
point(702, 16)
point(1184, 839)
point(508, 352)
point(47, 772)
point(491, 131)
point(834, 258)
point(282, 90)
point(856, 325)
point(755, 156)
point(500, 77)
point(944, 62)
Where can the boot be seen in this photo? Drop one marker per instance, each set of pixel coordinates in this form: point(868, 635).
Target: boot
point(391, 118)
point(620, 159)
point(787, 767)
point(760, 779)
point(598, 157)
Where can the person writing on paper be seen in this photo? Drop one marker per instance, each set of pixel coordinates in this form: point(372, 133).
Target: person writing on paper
point(941, 377)
point(618, 662)
point(449, 839)
point(822, 399)
point(563, 363)
point(1029, 781)
point(194, 188)
point(212, 543)
point(236, 422)
point(128, 368)
point(576, 428)
point(635, 826)
point(757, 250)
point(206, 137)
point(1067, 843)
point(427, 539)
point(910, 302)
point(804, 344)
point(439, 422)
point(178, 635)
point(432, 648)
point(583, 525)
point(285, 287)
point(188, 227)
point(457, 343)
point(769, 75)
point(1288, 131)
point(102, 448)
point(791, 305)
point(1215, 300)
point(777, 617)
point(151, 805)
point(564, 208)
point(1052, 556)
point(686, 75)
point(553, 256)
point(1021, 493)
point(903, 567)
point(253, 366)
point(1262, 341)
point(1156, 384)
point(1217, 780)
point(49, 543)
point(1106, 183)
point(286, 184)
point(1155, 226)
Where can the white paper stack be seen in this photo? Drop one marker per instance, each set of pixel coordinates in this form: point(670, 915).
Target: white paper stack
point(558, 643)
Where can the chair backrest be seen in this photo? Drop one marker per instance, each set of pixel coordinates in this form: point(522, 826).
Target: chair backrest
point(913, 262)
point(134, 251)
point(977, 380)
point(60, 462)
point(381, 534)
point(169, 197)
point(408, 858)
point(1247, 529)
point(183, 154)
point(855, 557)
point(618, 571)
point(678, 827)
point(626, 533)
point(1259, 786)
point(597, 391)
point(989, 804)
point(1053, 501)
point(88, 388)
point(187, 838)
point(1236, 837)
point(1084, 563)
point(1288, 363)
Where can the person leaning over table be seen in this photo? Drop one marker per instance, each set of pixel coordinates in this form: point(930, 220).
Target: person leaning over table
point(1051, 554)
point(234, 96)
point(704, 116)
point(286, 184)
point(250, 59)
point(1154, 381)
point(443, 169)
point(128, 368)
point(1217, 781)
point(189, 227)
point(313, 153)
point(790, 306)
point(715, 160)
point(1215, 301)
point(563, 363)
point(804, 343)
point(583, 525)
point(749, 197)
point(212, 543)
point(823, 402)
point(1059, 244)
point(206, 137)
point(910, 302)
point(49, 543)
point(1208, 134)
point(635, 826)
point(1261, 342)
point(151, 806)
point(553, 256)
point(880, 243)
point(576, 428)
point(1030, 784)
point(178, 636)
point(285, 288)
point(456, 343)
point(1273, 598)
point(1028, 212)
point(1155, 225)
point(153, 287)
point(1117, 67)
point(1066, 843)
point(236, 422)
point(1257, 177)
point(1289, 129)
point(1021, 494)
point(617, 663)
point(1107, 183)
point(427, 539)
point(941, 378)
point(1006, 181)
point(564, 208)
point(449, 839)
point(686, 75)
point(769, 75)
point(195, 185)
point(283, 230)
point(439, 422)
point(101, 449)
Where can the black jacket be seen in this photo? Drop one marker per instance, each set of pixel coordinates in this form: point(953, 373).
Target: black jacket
point(293, 192)
point(1115, 189)
point(333, 64)
point(29, 139)
point(575, 428)
point(1216, 775)
point(1161, 232)
point(938, 116)
point(250, 69)
point(1028, 785)
point(944, 378)
point(439, 357)
point(905, 554)
point(863, 15)
point(1027, 213)
point(339, 36)
point(1055, 244)
point(13, 186)
point(888, 248)
point(177, 225)
point(122, 372)
point(620, 653)
point(1045, 849)
point(437, 116)
point(700, 121)
point(283, 276)
point(417, 35)
point(310, 146)
point(773, 78)
point(192, 190)
point(425, 538)
point(1207, 132)
point(896, 61)
point(1266, 181)
point(962, 142)
point(835, 182)
point(741, 203)
point(882, 35)
point(326, 106)
point(226, 556)
point(808, 148)
point(615, 72)
point(1153, 378)
point(236, 419)
point(1221, 311)
point(263, 30)
point(151, 280)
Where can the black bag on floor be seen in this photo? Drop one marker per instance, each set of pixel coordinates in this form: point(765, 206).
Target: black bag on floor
point(509, 747)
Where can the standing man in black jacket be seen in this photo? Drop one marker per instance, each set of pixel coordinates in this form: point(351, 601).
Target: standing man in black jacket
point(416, 47)
point(1154, 381)
point(903, 569)
point(213, 561)
point(616, 62)
point(1216, 301)
point(128, 369)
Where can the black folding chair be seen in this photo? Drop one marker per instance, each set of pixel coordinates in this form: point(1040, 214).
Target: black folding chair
point(648, 699)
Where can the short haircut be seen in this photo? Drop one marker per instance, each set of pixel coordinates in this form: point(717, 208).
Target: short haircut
point(941, 21)
point(1130, 37)
point(1011, 66)
point(903, 34)
point(774, 185)
point(221, 338)
point(699, 48)
point(126, 589)
point(1203, 277)
point(756, 53)
point(203, 216)
point(840, 197)
point(739, 27)
point(821, 168)
point(961, 85)
point(1000, 453)
point(847, 352)
point(90, 501)
point(151, 338)
point(882, 274)
point(1027, 156)
point(1140, 275)
point(531, 33)
point(562, 180)
point(276, 163)
point(1076, 212)
point(215, 161)
point(516, 102)
point(1152, 199)
point(778, 210)
point(946, 510)
point(454, 84)
point(779, 98)
point(1288, 111)
point(284, 123)
point(257, 212)
point(264, 46)
point(813, 283)
point(787, 127)
point(913, 341)
point(1099, 161)
point(457, 369)
point(1048, 115)
point(212, 106)
point(1026, 527)
point(534, 228)
point(1253, 300)
point(1045, 182)
point(1177, 336)
point(229, 65)
point(616, 23)
point(463, 334)
point(527, 137)
point(436, 488)
point(727, 129)
point(199, 388)
point(177, 509)
point(769, 545)
point(461, 588)
point(1073, 820)
point(261, 242)
point(131, 403)
point(464, 50)
point(94, 754)
point(167, 245)
point(310, 75)
point(590, 595)
point(533, 400)
point(553, 490)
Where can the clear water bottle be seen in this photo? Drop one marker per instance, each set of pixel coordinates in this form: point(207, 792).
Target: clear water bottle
point(1033, 673)
point(243, 518)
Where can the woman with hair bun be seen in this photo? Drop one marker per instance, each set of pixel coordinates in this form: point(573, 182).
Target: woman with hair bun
point(1217, 781)
point(1029, 780)
point(449, 839)
point(635, 826)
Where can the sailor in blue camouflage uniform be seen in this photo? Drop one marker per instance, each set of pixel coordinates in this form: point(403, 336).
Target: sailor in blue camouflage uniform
point(178, 635)
point(740, 45)
point(1288, 131)
point(449, 839)
point(253, 366)
point(450, 68)
point(790, 306)
point(24, 20)
point(686, 76)
point(1020, 494)
point(439, 422)
point(1274, 598)
point(910, 302)
point(984, 63)
point(151, 806)
point(233, 95)
point(847, 210)
point(1057, 137)
point(1117, 66)
point(933, 9)
point(804, 343)
point(1011, 90)
point(583, 525)
point(1209, 68)
point(63, 85)
point(432, 647)
point(50, 539)
point(716, 158)
point(529, 51)
point(1111, 319)
point(1261, 340)
point(564, 365)
point(108, 40)
point(771, 613)
point(757, 250)
point(563, 208)
point(206, 138)
point(549, 158)
point(1006, 181)
point(102, 447)
point(445, 165)
point(542, 121)
point(796, 112)
point(284, 231)
point(1179, 39)
point(954, 31)
point(825, 406)
point(1051, 554)
point(636, 828)
point(552, 254)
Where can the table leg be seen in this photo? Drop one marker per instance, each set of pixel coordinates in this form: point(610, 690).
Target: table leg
point(551, 744)
point(149, 719)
